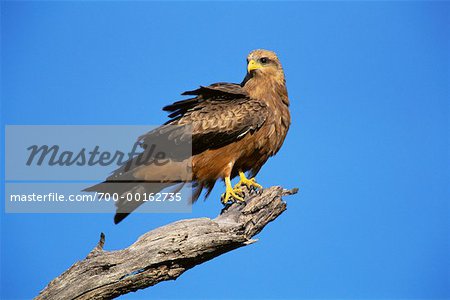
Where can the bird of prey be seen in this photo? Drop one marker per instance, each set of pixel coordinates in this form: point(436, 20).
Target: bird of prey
point(235, 129)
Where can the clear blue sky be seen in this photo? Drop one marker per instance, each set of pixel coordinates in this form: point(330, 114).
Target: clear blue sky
point(368, 146)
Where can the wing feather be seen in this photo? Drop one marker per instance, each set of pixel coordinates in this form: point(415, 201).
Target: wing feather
point(216, 124)
point(219, 114)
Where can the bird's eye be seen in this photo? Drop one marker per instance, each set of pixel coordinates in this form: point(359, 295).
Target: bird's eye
point(264, 60)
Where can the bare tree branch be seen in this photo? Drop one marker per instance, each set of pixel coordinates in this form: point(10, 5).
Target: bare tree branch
point(166, 252)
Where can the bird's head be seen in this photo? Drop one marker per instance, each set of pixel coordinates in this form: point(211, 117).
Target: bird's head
point(264, 64)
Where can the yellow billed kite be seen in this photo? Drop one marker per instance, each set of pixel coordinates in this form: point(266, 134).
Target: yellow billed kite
point(235, 128)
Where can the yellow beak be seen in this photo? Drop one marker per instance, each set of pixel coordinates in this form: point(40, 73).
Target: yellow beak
point(253, 65)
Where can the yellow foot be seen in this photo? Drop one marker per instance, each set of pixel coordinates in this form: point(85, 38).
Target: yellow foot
point(250, 183)
point(231, 193)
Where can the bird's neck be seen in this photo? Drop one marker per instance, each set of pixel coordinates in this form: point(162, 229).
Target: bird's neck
point(271, 90)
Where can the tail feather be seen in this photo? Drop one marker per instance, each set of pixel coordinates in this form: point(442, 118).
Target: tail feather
point(123, 188)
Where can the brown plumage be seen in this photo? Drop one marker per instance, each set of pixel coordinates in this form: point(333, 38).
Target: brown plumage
point(235, 129)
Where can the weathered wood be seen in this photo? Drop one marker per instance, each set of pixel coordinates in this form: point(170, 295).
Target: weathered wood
point(166, 252)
